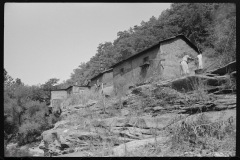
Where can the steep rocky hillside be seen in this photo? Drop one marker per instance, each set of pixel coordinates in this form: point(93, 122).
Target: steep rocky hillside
point(156, 119)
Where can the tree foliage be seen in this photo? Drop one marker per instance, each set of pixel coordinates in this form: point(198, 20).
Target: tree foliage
point(210, 26)
point(25, 108)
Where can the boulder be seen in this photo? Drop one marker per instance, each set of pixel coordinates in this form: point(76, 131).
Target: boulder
point(158, 108)
point(143, 89)
point(224, 107)
point(36, 151)
point(124, 112)
point(219, 154)
point(226, 101)
point(145, 122)
point(133, 145)
point(229, 68)
point(61, 124)
point(53, 142)
point(11, 145)
point(190, 83)
point(212, 116)
point(75, 154)
point(79, 106)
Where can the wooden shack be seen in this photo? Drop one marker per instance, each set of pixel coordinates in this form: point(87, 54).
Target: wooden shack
point(160, 60)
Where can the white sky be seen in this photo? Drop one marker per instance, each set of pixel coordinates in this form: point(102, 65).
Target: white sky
point(49, 40)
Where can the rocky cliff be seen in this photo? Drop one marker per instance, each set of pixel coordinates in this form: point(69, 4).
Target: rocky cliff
point(157, 119)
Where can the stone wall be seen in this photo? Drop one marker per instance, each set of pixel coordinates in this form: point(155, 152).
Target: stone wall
point(57, 97)
point(58, 94)
point(132, 71)
point(172, 51)
point(107, 79)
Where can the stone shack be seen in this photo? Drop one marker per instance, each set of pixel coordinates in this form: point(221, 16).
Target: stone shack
point(161, 60)
point(57, 96)
point(105, 77)
point(75, 89)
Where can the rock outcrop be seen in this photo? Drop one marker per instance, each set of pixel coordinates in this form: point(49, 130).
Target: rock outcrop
point(140, 118)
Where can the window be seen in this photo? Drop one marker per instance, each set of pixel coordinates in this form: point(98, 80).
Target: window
point(145, 65)
point(122, 71)
point(145, 59)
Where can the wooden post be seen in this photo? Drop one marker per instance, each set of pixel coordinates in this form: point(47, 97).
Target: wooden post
point(103, 100)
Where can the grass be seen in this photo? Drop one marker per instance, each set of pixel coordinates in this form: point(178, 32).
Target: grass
point(16, 152)
point(82, 98)
point(194, 136)
point(199, 137)
point(204, 135)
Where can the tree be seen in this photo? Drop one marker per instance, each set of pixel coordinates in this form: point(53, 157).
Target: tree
point(18, 81)
point(207, 25)
point(223, 31)
point(8, 81)
point(22, 96)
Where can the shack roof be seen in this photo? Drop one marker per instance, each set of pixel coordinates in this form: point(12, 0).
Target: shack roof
point(68, 88)
point(58, 90)
point(106, 71)
point(76, 86)
point(158, 43)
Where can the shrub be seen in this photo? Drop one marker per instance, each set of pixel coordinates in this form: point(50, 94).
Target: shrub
point(28, 132)
point(34, 106)
point(33, 126)
point(9, 125)
point(210, 53)
point(166, 95)
point(16, 152)
point(202, 134)
point(52, 119)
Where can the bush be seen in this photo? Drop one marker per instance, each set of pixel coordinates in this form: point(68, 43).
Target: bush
point(16, 152)
point(9, 126)
point(28, 132)
point(33, 126)
point(52, 119)
point(202, 134)
point(166, 95)
point(210, 53)
point(34, 106)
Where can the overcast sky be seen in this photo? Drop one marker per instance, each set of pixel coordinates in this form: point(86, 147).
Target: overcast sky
point(49, 40)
